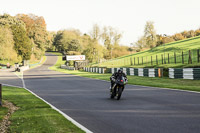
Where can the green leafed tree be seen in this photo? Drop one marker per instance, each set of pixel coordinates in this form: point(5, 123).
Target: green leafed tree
point(22, 43)
point(74, 45)
point(7, 51)
point(51, 36)
point(68, 40)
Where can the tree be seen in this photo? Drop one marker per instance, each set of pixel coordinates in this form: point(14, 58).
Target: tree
point(7, 51)
point(190, 34)
point(96, 32)
point(51, 36)
point(91, 48)
point(84, 41)
point(178, 36)
point(168, 39)
point(74, 45)
point(22, 43)
point(184, 33)
point(93, 52)
point(150, 34)
point(57, 41)
point(197, 32)
point(36, 30)
point(68, 40)
point(141, 43)
point(111, 37)
point(7, 20)
point(159, 40)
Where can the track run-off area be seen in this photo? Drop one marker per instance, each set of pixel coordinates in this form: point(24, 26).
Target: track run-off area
point(140, 110)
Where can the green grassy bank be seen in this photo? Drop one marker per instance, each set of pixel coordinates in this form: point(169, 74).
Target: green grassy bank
point(166, 55)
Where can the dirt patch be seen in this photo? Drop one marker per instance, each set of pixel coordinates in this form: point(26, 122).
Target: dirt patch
point(5, 122)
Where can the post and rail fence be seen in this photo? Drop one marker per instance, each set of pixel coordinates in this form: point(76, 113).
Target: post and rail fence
point(181, 57)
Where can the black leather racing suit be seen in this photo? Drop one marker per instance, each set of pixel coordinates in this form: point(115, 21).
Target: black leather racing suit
point(114, 77)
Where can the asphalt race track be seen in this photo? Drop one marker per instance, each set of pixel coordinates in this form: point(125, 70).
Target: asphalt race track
point(8, 77)
point(140, 110)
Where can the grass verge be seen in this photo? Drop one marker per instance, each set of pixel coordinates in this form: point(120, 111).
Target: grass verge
point(182, 84)
point(3, 112)
point(34, 115)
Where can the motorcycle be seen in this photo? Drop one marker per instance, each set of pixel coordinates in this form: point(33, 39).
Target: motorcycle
point(118, 87)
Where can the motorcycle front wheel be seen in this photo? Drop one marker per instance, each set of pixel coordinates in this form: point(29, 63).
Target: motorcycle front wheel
point(112, 94)
point(119, 93)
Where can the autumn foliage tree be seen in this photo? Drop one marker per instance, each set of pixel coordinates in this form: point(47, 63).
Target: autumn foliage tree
point(36, 30)
point(22, 44)
point(178, 36)
point(197, 32)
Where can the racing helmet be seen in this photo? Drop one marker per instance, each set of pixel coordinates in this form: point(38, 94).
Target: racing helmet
point(120, 71)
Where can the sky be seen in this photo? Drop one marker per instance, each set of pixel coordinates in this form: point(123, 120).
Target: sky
point(127, 16)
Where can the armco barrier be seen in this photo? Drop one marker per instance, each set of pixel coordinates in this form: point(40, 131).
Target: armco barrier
point(148, 72)
point(184, 73)
point(95, 69)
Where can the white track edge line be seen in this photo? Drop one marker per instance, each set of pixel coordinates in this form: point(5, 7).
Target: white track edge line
point(53, 107)
point(65, 115)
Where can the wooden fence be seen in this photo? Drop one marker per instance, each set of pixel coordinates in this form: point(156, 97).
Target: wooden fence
point(184, 57)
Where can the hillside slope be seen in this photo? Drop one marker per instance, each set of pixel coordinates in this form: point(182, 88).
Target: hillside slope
point(169, 55)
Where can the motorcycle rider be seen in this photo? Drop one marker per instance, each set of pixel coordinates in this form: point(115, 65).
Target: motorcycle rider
point(116, 75)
